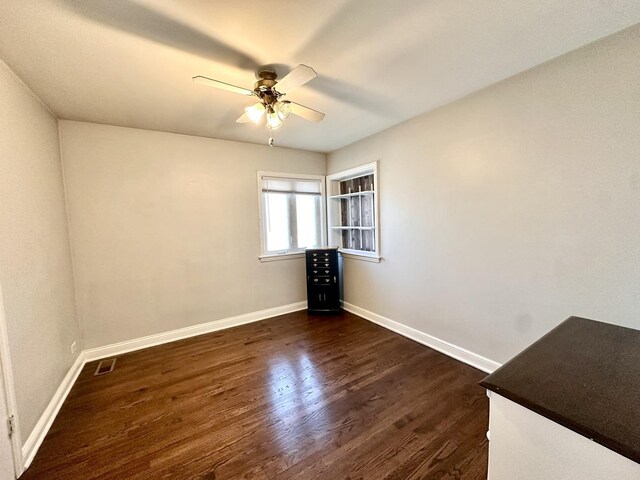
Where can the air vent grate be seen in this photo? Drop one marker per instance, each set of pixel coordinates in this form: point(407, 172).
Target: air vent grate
point(105, 366)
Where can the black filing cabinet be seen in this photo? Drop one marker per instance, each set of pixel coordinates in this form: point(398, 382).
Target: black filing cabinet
point(324, 280)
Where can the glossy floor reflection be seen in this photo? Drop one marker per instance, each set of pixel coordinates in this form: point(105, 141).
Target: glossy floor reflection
point(293, 397)
point(297, 388)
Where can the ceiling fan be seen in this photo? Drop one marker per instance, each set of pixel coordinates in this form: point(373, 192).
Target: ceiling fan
point(270, 91)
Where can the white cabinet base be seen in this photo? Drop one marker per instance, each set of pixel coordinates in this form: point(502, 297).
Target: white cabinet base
point(528, 446)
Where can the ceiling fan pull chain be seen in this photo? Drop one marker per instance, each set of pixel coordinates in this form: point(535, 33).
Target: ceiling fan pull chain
point(270, 136)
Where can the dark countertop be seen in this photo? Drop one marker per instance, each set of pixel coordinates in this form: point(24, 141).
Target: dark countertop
point(584, 375)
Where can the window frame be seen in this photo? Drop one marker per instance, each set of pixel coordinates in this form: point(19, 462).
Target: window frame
point(334, 218)
point(268, 256)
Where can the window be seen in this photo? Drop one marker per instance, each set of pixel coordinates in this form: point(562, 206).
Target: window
point(292, 213)
point(353, 212)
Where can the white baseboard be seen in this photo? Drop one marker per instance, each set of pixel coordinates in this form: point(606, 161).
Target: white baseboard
point(30, 447)
point(200, 329)
point(459, 353)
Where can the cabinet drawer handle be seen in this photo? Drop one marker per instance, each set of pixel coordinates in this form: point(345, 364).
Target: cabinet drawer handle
point(334, 279)
point(326, 271)
point(326, 280)
point(315, 279)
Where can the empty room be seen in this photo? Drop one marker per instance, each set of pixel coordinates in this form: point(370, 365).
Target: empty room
point(305, 239)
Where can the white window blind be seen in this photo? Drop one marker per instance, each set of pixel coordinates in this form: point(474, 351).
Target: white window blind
point(291, 185)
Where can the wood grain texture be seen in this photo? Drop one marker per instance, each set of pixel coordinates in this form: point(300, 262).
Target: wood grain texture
point(293, 397)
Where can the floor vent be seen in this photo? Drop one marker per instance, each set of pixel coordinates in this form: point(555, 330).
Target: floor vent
point(105, 366)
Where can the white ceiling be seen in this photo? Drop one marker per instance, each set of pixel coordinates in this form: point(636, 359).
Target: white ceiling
point(379, 62)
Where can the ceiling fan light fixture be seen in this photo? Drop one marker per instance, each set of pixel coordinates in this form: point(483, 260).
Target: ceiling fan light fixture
point(255, 112)
point(283, 108)
point(273, 120)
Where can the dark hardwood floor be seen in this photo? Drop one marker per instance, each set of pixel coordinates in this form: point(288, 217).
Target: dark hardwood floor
point(293, 397)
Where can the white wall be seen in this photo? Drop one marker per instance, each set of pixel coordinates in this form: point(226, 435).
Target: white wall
point(510, 210)
point(164, 229)
point(35, 262)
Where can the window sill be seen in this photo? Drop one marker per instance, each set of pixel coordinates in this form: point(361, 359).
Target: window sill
point(360, 256)
point(280, 256)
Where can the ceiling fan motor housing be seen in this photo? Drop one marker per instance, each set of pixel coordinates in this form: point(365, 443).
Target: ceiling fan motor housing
point(263, 88)
point(267, 80)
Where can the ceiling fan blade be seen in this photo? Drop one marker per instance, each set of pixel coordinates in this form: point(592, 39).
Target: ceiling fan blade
point(221, 85)
point(243, 118)
point(306, 112)
point(295, 78)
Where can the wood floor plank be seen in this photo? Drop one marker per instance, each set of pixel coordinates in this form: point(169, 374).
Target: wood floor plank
point(293, 397)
